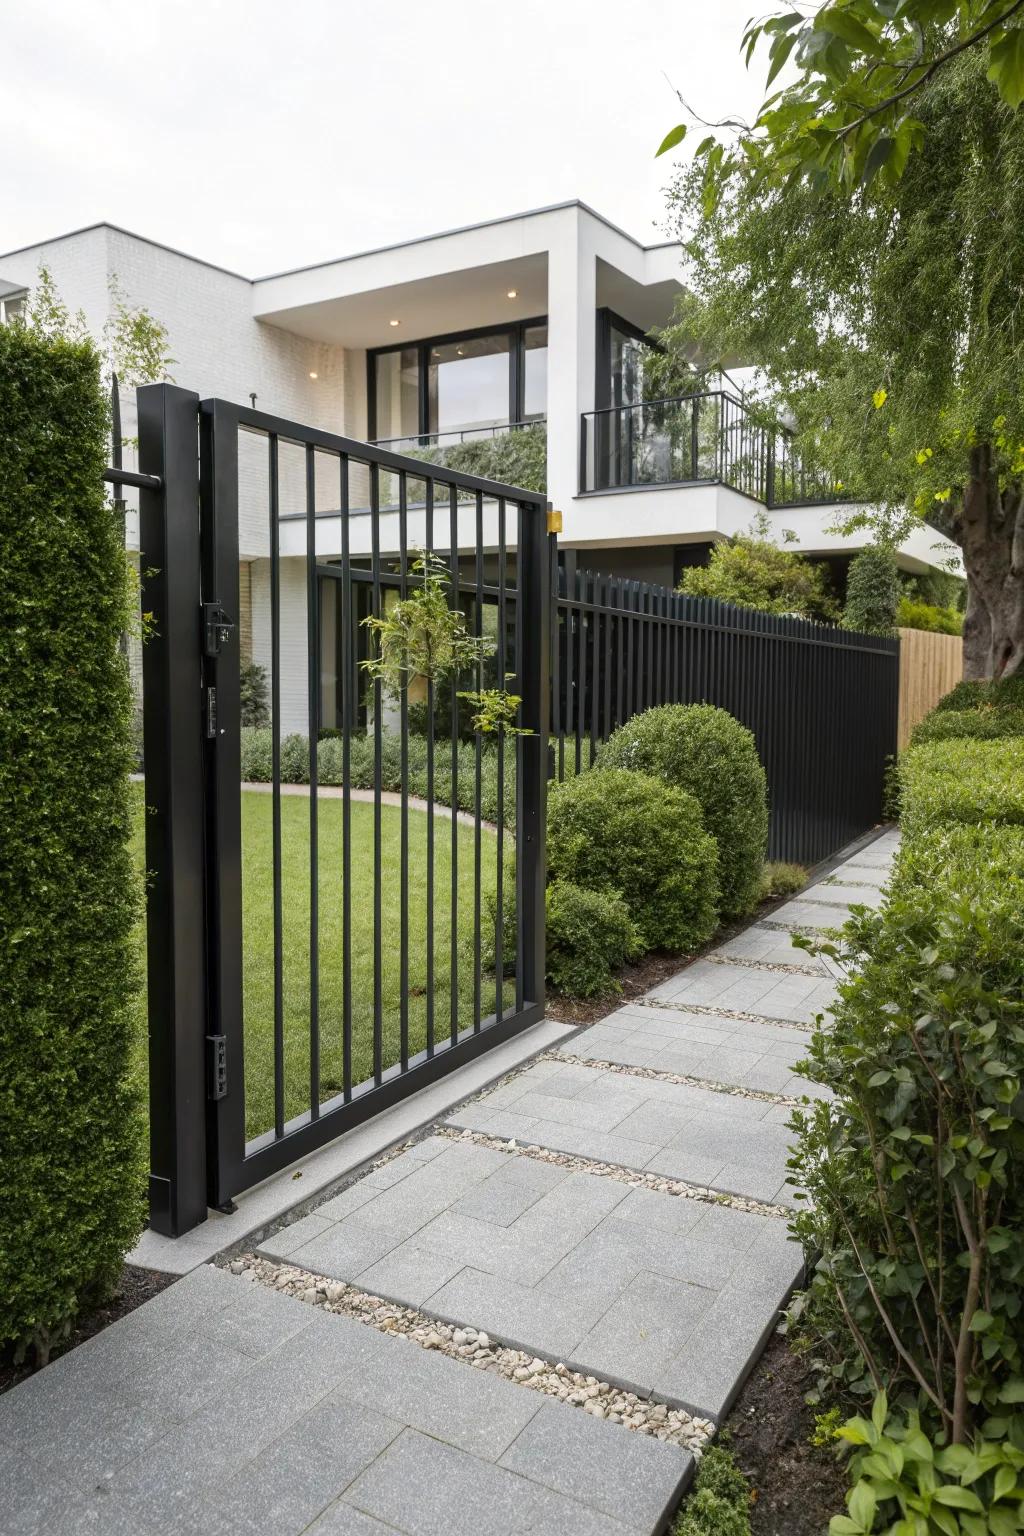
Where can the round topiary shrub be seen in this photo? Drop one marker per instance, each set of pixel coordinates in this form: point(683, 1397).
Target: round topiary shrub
point(703, 750)
point(590, 935)
point(611, 830)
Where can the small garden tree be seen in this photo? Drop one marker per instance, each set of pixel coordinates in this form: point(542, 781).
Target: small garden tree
point(878, 286)
point(71, 1143)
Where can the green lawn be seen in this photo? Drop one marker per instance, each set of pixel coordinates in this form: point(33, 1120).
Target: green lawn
point(258, 941)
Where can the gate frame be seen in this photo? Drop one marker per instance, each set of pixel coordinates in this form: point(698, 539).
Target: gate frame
point(189, 561)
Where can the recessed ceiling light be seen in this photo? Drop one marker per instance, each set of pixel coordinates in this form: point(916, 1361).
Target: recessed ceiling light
point(394, 322)
point(513, 293)
point(313, 375)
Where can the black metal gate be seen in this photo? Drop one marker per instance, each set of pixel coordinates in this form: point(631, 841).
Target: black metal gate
point(338, 956)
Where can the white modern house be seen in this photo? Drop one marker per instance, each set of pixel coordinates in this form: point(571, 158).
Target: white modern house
point(533, 324)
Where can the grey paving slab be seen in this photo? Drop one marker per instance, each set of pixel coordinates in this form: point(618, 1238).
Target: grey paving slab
point(695, 1134)
point(337, 1428)
point(424, 1488)
point(808, 914)
point(736, 1052)
point(770, 994)
point(861, 875)
point(584, 1458)
point(839, 890)
point(771, 947)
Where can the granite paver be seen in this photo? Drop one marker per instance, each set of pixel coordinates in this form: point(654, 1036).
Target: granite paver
point(332, 1426)
point(769, 994)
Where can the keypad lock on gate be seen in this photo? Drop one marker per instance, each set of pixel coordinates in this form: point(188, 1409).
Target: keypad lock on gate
point(217, 628)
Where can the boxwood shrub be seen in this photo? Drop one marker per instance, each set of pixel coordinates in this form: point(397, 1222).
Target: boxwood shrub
point(71, 1137)
point(612, 830)
point(961, 781)
point(913, 1167)
point(703, 750)
point(984, 724)
point(590, 936)
point(1000, 693)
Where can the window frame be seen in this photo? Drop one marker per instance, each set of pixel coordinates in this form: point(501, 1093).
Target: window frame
point(607, 319)
point(514, 330)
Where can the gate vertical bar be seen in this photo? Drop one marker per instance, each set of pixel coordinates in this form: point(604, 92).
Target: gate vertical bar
point(533, 599)
point(218, 523)
point(171, 672)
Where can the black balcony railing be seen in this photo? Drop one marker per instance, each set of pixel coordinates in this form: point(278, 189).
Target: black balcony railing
point(709, 438)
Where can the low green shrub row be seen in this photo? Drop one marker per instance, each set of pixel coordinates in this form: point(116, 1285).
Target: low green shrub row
point(913, 1167)
point(962, 780)
point(257, 766)
point(912, 614)
point(1003, 693)
point(983, 724)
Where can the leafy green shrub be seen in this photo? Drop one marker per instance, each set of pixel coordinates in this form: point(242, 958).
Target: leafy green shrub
point(917, 615)
point(961, 781)
point(983, 724)
point(752, 571)
point(720, 1502)
point(903, 1482)
point(872, 591)
point(252, 680)
point(1001, 693)
point(704, 751)
point(913, 1167)
point(781, 880)
point(589, 937)
point(611, 830)
point(257, 763)
point(71, 1132)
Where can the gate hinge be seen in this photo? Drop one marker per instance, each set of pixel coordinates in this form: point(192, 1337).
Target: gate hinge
point(217, 1066)
point(211, 714)
point(217, 628)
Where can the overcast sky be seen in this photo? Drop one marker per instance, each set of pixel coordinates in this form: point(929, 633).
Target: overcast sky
point(264, 135)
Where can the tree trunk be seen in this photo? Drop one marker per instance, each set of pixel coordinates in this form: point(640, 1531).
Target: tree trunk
point(990, 531)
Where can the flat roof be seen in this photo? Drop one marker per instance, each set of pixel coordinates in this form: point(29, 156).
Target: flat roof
point(462, 229)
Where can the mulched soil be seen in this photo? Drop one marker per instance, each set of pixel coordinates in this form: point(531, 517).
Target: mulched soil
point(797, 1487)
point(134, 1287)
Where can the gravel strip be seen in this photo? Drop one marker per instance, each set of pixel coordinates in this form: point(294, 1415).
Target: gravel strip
point(810, 933)
point(671, 1077)
point(471, 1345)
point(723, 1013)
point(636, 1178)
point(762, 965)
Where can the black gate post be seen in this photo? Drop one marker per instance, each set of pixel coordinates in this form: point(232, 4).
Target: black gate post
point(173, 741)
point(534, 609)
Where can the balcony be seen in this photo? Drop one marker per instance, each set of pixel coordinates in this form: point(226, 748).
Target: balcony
point(703, 439)
point(513, 452)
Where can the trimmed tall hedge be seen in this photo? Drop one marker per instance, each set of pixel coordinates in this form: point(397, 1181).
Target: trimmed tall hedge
point(710, 755)
point(70, 1133)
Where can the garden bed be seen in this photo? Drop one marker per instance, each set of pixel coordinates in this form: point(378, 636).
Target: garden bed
point(134, 1287)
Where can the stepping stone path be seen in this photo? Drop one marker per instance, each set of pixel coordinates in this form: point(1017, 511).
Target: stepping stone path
point(525, 1322)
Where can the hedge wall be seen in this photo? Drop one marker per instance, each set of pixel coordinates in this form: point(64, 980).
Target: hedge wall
point(70, 1132)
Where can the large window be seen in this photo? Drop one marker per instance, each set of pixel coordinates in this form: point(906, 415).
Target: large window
point(468, 383)
point(454, 386)
point(622, 353)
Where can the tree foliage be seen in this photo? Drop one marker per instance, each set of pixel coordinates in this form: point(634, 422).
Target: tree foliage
point(885, 321)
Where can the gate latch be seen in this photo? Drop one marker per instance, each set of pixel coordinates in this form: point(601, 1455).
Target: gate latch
point(217, 628)
point(217, 1066)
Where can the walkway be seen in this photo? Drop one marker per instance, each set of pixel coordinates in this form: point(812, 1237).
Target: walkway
point(524, 1321)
